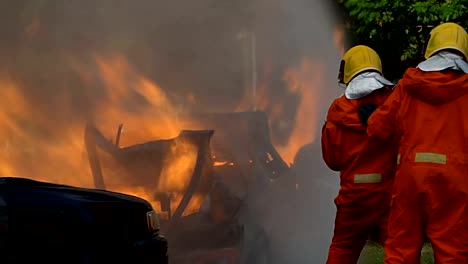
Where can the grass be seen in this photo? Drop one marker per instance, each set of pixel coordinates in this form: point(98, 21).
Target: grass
point(373, 254)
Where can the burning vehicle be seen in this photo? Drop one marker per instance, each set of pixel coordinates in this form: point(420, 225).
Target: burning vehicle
point(55, 223)
point(202, 180)
point(242, 150)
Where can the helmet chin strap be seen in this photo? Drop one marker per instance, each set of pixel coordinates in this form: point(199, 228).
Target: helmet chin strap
point(341, 72)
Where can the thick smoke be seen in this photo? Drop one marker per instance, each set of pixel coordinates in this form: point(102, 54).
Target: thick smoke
point(193, 50)
point(188, 48)
point(300, 224)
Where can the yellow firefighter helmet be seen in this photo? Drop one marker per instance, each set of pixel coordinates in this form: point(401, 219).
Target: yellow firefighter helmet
point(356, 60)
point(447, 36)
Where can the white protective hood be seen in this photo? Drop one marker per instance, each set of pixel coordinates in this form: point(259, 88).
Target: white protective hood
point(364, 84)
point(442, 61)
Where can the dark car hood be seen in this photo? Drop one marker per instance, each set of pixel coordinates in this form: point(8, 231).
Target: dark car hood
point(65, 192)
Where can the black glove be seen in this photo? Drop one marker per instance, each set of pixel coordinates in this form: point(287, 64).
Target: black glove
point(365, 111)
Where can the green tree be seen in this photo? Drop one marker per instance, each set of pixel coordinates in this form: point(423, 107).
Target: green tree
point(398, 29)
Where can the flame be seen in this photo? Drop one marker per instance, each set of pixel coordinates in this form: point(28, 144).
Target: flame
point(339, 39)
point(219, 163)
point(182, 164)
point(158, 119)
point(306, 81)
point(34, 147)
point(33, 28)
point(145, 193)
point(21, 154)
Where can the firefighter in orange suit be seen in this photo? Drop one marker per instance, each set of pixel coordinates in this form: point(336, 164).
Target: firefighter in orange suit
point(366, 167)
point(428, 113)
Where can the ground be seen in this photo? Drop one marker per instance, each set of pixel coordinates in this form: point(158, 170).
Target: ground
point(373, 254)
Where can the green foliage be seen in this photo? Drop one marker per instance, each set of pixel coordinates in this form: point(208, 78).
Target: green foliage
point(397, 29)
point(373, 253)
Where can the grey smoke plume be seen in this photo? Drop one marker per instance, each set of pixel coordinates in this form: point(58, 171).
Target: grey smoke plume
point(189, 47)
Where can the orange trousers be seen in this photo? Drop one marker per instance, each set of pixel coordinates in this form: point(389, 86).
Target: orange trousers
point(354, 225)
point(428, 202)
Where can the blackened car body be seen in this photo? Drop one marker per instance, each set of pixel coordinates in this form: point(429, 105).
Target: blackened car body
point(55, 223)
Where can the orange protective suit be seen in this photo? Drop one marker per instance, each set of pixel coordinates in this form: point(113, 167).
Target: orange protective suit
point(428, 112)
point(367, 169)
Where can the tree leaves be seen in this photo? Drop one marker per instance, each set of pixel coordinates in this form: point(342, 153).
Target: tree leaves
point(397, 29)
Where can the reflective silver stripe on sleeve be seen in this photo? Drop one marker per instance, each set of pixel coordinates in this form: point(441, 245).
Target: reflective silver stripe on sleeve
point(430, 158)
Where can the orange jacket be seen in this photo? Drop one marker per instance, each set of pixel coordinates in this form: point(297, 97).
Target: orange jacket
point(367, 167)
point(428, 112)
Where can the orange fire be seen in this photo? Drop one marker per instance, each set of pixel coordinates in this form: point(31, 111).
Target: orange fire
point(158, 119)
point(33, 148)
point(22, 154)
point(339, 39)
point(304, 81)
point(307, 81)
point(32, 28)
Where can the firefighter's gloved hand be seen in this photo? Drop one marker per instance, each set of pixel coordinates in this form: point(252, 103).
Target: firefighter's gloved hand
point(365, 111)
